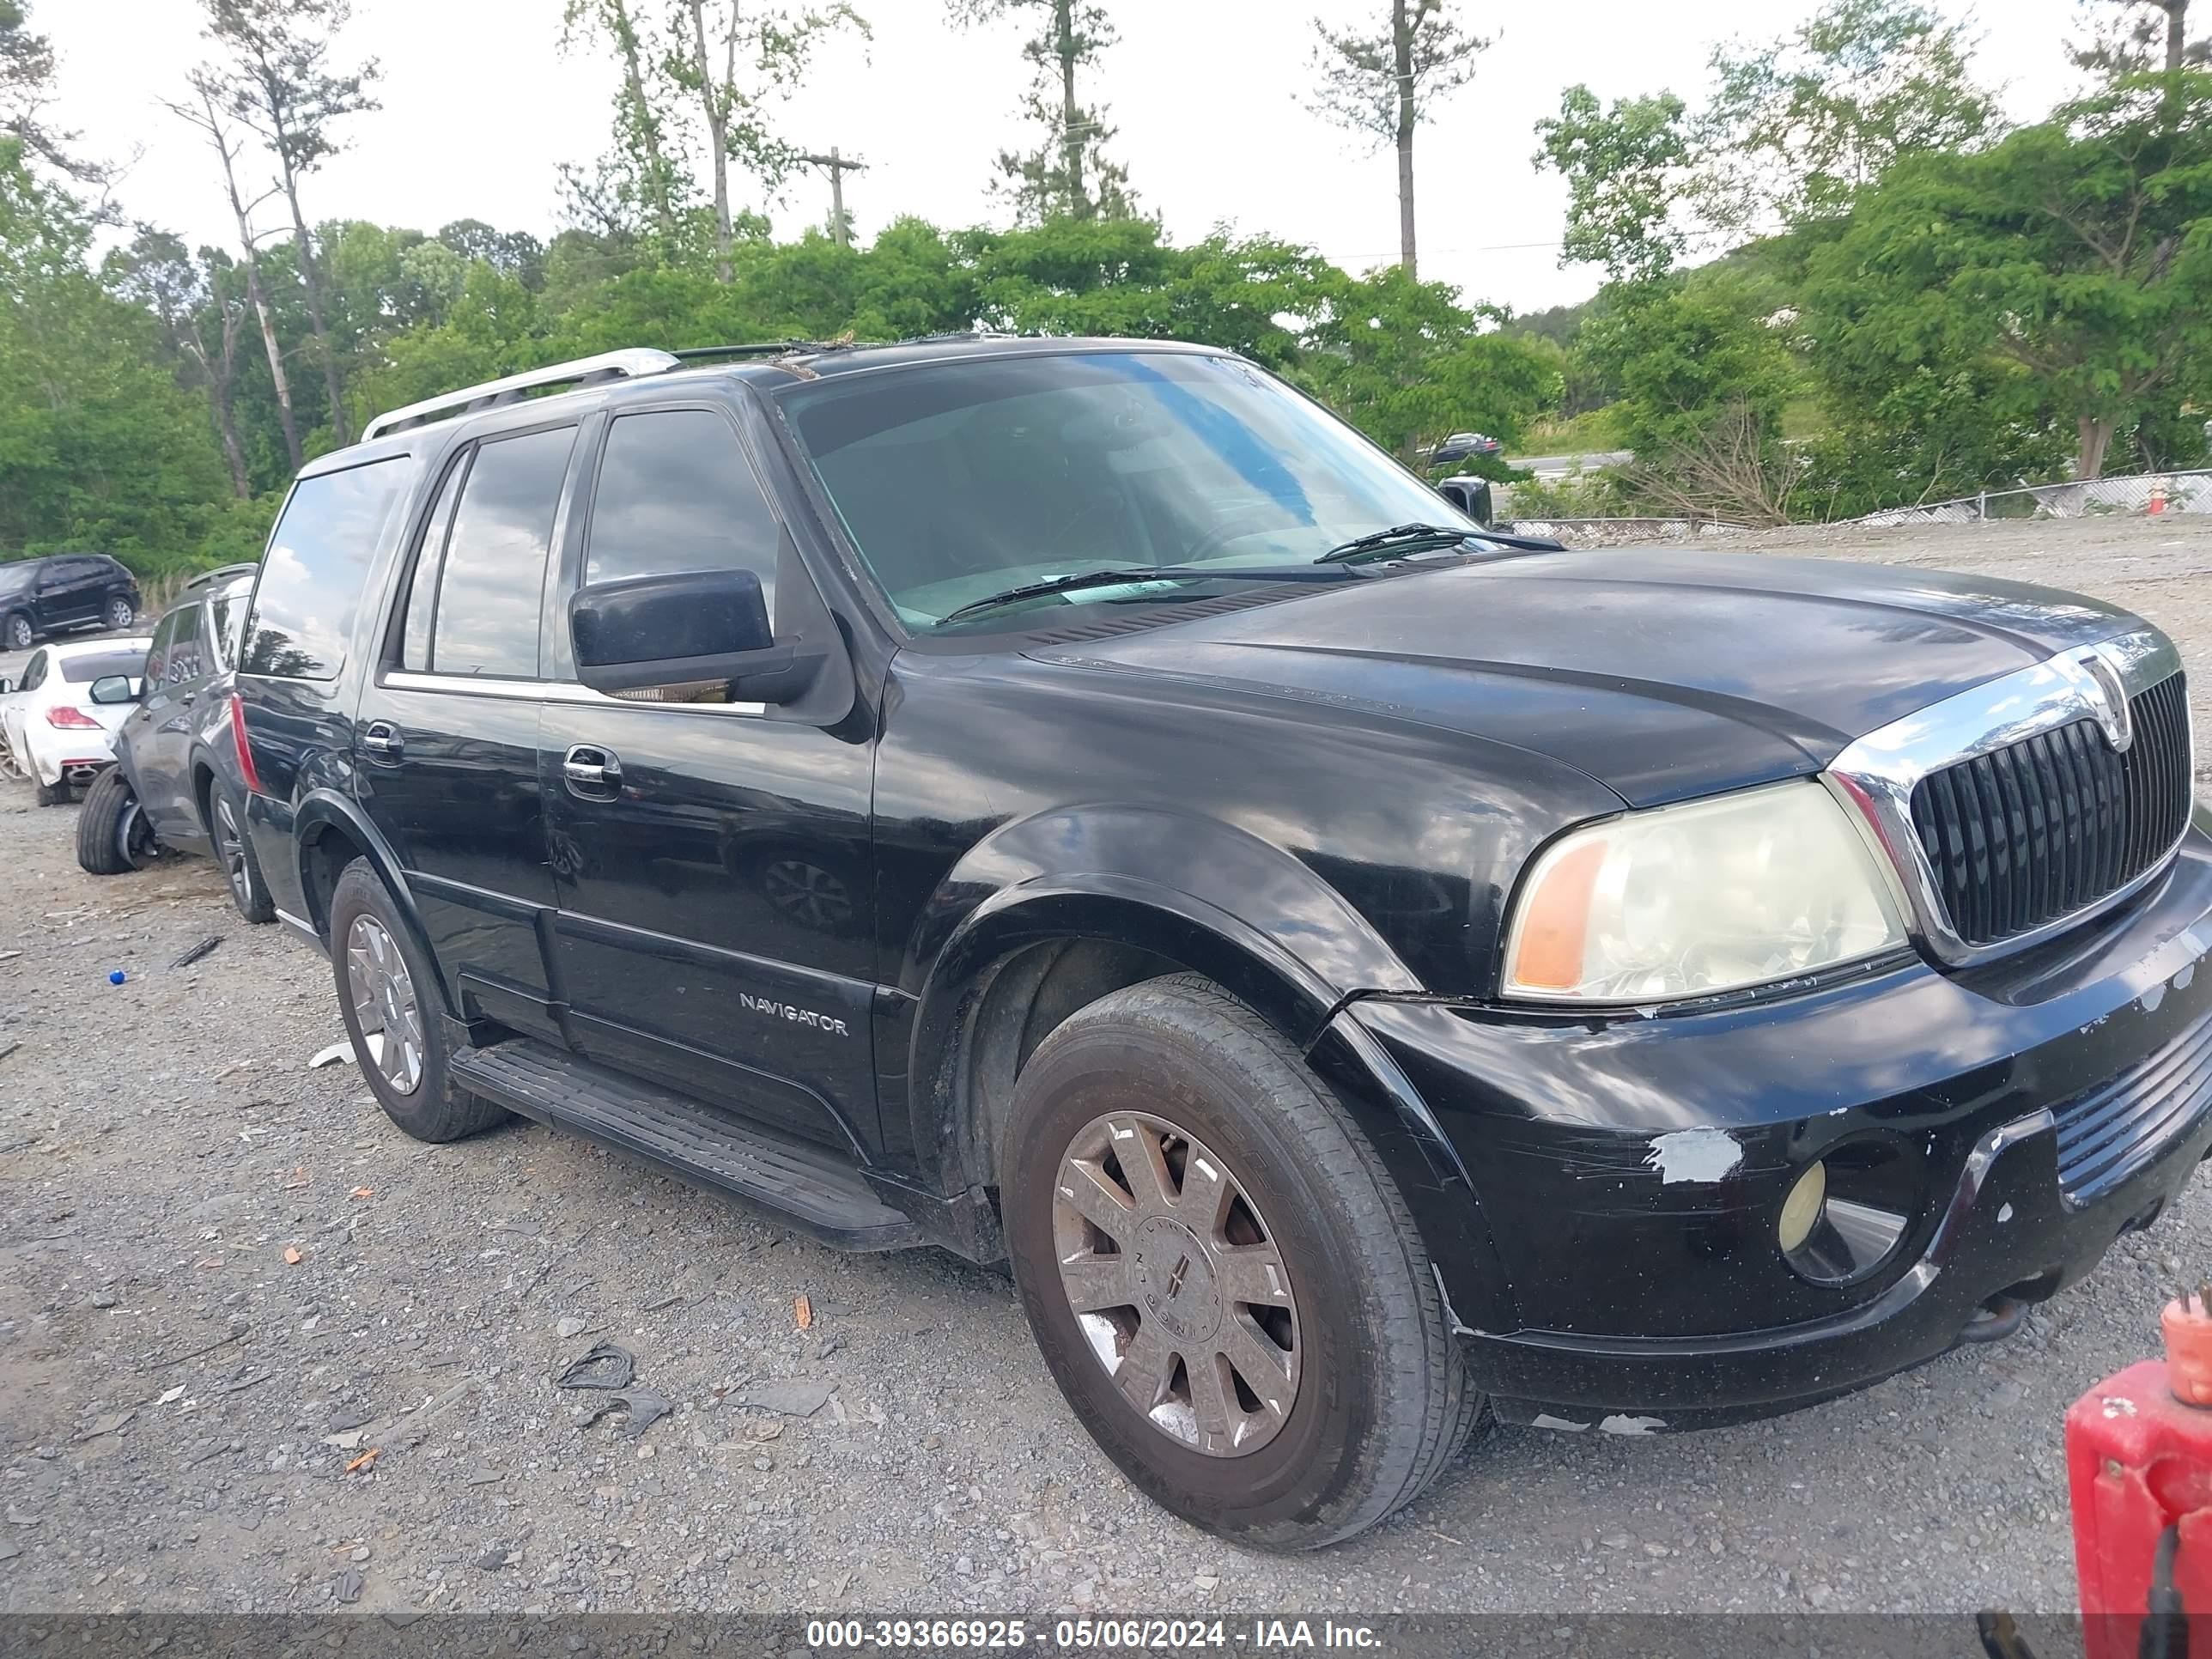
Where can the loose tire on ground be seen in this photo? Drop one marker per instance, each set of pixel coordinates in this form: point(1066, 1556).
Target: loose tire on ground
point(111, 835)
point(429, 1108)
point(1380, 1399)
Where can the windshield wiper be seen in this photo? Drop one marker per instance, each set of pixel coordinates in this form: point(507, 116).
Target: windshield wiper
point(1397, 537)
point(1083, 578)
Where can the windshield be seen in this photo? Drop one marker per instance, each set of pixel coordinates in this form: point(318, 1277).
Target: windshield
point(13, 576)
point(959, 481)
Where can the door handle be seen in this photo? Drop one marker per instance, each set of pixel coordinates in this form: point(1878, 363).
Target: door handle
point(381, 742)
point(592, 773)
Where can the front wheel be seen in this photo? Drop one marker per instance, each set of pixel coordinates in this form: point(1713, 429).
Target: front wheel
point(18, 633)
point(387, 996)
point(1223, 1279)
point(112, 835)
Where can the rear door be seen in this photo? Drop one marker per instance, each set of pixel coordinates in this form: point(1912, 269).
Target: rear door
point(446, 735)
point(711, 865)
point(61, 598)
point(160, 731)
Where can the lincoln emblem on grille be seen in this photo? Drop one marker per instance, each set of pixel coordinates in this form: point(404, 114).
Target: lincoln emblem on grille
point(2108, 700)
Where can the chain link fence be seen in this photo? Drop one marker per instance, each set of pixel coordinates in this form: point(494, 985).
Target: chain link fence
point(2147, 493)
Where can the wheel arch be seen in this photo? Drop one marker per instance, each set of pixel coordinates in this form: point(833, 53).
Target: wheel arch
point(329, 832)
point(1050, 913)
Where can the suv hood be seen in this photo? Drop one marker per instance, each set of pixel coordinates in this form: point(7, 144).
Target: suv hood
point(1663, 675)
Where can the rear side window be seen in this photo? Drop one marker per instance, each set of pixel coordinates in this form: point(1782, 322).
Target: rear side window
point(83, 670)
point(677, 494)
point(157, 658)
point(495, 571)
point(229, 610)
point(317, 565)
point(187, 647)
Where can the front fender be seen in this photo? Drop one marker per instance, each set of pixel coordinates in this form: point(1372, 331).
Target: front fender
point(1195, 889)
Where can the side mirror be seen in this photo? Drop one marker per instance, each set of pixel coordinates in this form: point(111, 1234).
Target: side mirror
point(114, 688)
point(683, 628)
point(6, 685)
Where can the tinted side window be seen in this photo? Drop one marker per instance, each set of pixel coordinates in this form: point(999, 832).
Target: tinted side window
point(317, 564)
point(188, 648)
point(494, 574)
point(157, 656)
point(423, 585)
point(35, 673)
point(676, 493)
point(226, 609)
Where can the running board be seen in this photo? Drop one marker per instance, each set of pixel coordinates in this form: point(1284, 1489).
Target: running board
point(814, 1189)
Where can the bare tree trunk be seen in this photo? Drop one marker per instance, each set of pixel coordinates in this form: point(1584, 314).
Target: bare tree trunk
point(1401, 42)
point(312, 277)
point(718, 115)
point(209, 122)
point(2177, 30)
point(2096, 435)
point(648, 124)
point(1070, 113)
point(219, 376)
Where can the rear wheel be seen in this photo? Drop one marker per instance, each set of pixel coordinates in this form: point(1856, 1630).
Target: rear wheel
point(50, 794)
point(121, 613)
point(1223, 1279)
point(233, 851)
point(387, 996)
point(112, 834)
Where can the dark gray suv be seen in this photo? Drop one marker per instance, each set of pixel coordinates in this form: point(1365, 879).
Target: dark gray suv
point(175, 782)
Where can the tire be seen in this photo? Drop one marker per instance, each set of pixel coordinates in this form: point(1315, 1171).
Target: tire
point(426, 1105)
point(1379, 1397)
point(17, 633)
point(120, 614)
point(112, 836)
point(234, 854)
point(50, 794)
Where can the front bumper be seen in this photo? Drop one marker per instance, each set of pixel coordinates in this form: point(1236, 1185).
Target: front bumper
point(2050, 1102)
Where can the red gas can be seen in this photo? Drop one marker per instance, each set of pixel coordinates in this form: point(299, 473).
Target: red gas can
point(2138, 1461)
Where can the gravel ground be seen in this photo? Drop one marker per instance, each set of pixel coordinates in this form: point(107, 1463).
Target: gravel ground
point(213, 1259)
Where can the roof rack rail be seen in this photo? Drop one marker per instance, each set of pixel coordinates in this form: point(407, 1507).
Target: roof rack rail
point(220, 572)
point(757, 349)
point(623, 365)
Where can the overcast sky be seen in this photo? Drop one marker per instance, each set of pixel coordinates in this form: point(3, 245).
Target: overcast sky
point(479, 106)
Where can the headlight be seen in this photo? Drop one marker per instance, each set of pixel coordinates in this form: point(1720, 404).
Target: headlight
point(1687, 901)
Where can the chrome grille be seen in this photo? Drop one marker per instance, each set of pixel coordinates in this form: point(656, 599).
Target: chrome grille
point(2025, 835)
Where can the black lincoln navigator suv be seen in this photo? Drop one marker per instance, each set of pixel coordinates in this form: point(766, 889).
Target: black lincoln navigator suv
point(1077, 802)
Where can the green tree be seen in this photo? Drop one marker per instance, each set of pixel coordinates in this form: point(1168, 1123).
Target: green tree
point(1382, 85)
point(645, 173)
point(737, 63)
point(1627, 170)
point(279, 81)
point(2078, 250)
point(1798, 124)
point(27, 76)
point(1068, 174)
point(1404, 362)
point(202, 319)
point(99, 444)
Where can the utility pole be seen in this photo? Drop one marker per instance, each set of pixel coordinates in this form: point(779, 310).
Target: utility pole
point(838, 167)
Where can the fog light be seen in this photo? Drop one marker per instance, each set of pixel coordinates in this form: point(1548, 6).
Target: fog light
point(1801, 1211)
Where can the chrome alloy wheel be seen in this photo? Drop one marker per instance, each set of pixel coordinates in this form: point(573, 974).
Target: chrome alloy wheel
point(230, 849)
point(1177, 1284)
point(383, 1007)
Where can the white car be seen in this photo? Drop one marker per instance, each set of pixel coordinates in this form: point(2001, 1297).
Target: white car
point(52, 730)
